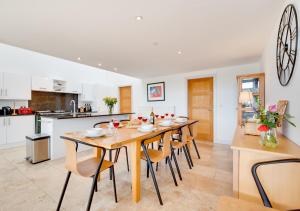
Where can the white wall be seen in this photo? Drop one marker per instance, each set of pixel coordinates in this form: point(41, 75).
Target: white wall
point(17, 60)
point(225, 96)
point(274, 91)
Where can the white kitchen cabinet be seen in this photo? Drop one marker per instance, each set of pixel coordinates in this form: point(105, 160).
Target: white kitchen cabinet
point(15, 86)
point(2, 131)
point(87, 92)
point(73, 87)
point(1, 85)
point(41, 84)
point(15, 128)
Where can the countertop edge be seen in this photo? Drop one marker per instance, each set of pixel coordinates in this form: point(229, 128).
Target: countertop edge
point(86, 116)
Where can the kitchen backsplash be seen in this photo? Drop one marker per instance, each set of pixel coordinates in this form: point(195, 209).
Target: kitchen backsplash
point(41, 101)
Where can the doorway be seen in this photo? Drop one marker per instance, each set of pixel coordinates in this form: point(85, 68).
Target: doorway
point(125, 99)
point(200, 107)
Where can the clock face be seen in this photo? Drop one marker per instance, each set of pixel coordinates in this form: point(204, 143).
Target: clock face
point(287, 42)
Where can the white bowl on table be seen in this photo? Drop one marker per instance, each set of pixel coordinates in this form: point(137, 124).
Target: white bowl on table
point(94, 132)
point(165, 123)
point(180, 120)
point(146, 128)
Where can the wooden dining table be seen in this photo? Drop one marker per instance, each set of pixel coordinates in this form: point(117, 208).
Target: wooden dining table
point(124, 137)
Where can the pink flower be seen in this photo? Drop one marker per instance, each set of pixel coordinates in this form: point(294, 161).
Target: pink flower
point(272, 108)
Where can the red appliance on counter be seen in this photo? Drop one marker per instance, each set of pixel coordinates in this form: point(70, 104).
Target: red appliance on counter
point(24, 110)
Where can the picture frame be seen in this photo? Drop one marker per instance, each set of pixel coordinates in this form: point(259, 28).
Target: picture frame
point(156, 91)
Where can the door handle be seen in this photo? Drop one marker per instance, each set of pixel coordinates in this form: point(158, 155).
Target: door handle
point(9, 121)
point(6, 92)
point(1, 92)
point(4, 123)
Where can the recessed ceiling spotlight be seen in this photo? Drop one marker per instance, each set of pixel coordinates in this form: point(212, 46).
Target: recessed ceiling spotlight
point(155, 43)
point(99, 64)
point(115, 69)
point(179, 52)
point(78, 58)
point(139, 18)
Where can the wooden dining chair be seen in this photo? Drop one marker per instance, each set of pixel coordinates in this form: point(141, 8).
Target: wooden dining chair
point(104, 125)
point(152, 156)
point(193, 132)
point(260, 188)
point(182, 144)
point(90, 167)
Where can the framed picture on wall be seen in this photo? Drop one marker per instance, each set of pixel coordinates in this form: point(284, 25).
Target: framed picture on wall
point(156, 91)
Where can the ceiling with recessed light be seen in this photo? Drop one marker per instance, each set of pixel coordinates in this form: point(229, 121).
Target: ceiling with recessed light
point(142, 38)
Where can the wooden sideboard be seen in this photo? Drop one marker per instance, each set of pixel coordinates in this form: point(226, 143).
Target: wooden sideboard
point(281, 181)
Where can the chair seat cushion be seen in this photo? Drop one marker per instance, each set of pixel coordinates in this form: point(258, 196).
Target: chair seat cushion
point(88, 167)
point(155, 155)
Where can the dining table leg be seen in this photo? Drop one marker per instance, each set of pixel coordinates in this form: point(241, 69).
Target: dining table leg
point(135, 150)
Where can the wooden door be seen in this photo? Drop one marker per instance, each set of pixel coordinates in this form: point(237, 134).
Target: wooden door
point(125, 99)
point(200, 106)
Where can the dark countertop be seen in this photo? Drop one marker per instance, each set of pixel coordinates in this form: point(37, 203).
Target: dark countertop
point(81, 115)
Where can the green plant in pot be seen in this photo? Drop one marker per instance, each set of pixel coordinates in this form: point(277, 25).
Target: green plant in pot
point(269, 120)
point(110, 102)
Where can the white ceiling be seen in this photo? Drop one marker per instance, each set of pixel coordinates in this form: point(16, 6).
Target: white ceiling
point(210, 33)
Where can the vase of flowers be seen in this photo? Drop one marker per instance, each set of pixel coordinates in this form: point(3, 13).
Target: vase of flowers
point(110, 102)
point(269, 120)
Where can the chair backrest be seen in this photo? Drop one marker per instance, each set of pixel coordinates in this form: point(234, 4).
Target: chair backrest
point(185, 133)
point(193, 128)
point(167, 138)
point(261, 190)
point(101, 124)
point(71, 156)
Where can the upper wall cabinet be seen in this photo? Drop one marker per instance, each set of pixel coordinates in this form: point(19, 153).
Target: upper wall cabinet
point(87, 92)
point(73, 87)
point(14, 86)
point(41, 84)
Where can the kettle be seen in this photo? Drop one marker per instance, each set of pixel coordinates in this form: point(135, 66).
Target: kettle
point(6, 110)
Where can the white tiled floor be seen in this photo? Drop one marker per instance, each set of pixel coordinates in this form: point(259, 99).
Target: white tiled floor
point(37, 187)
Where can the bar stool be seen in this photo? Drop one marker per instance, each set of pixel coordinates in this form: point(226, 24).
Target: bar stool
point(154, 156)
point(90, 167)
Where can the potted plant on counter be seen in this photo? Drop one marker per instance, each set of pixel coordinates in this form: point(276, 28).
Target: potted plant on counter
point(110, 102)
point(269, 119)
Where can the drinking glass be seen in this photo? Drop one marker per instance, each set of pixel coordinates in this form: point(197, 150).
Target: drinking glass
point(116, 124)
point(172, 115)
point(156, 116)
point(162, 116)
point(144, 120)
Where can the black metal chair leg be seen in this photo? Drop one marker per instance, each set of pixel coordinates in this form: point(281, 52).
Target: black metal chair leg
point(147, 170)
point(172, 171)
point(152, 145)
point(96, 187)
point(152, 174)
point(187, 157)
point(63, 191)
point(189, 154)
point(195, 146)
point(116, 155)
point(114, 183)
point(156, 166)
point(176, 164)
point(95, 181)
point(127, 159)
point(177, 151)
point(110, 159)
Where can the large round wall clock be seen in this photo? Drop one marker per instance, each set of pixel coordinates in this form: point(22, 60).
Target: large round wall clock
point(287, 42)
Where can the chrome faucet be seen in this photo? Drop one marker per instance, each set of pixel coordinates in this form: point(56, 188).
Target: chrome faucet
point(74, 105)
